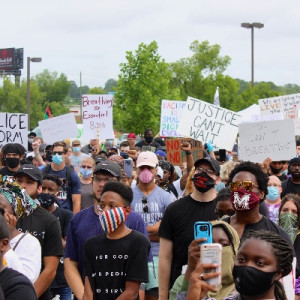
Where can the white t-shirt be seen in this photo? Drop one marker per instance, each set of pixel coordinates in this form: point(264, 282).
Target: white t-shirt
point(180, 192)
point(26, 258)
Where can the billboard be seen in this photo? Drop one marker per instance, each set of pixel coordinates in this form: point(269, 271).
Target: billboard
point(7, 59)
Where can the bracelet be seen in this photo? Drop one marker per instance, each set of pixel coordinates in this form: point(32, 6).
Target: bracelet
point(188, 152)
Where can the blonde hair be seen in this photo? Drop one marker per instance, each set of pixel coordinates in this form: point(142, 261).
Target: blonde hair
point(189, 187)
point(226, 169)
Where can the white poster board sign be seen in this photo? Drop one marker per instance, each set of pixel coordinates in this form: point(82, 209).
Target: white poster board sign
point(13, 129)
point(171, 112)
point(97, 116)
point(274, 139)
point(58, 128)
point(206, 122)
point(288, 104)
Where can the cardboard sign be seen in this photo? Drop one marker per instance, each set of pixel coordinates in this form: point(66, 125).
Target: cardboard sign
point(171, 112)
point(97, 116)
point(13, 129)
point(274, 139)
point(59, 128)
point(176, 156)
point(288, 105)
point(206, 122)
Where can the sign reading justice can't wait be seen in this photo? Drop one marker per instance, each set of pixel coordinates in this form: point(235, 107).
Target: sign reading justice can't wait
point(206, 122)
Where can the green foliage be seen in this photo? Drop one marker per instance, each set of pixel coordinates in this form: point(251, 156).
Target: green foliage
point(96, 90)
point(110, 85)
point(143, 82)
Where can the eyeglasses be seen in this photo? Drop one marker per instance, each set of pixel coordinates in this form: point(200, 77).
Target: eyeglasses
point(209, 171)
point(58, 152)
point(246, 185)
point(104, 179)
point(145, 205)
point(86, 167)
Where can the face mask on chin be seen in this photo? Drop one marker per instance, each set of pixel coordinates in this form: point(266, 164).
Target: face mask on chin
point(203, 182)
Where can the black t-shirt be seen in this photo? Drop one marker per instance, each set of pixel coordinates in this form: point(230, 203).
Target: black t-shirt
point(45, 227)
point(177, 225)
point(264, 224)
point(289, 187)
point(16, 286)
point(64, 217)
point(110, 263)
point(5, 171)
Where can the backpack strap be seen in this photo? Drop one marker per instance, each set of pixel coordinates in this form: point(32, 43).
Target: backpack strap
point(18, 242)
point(47, 169)
point(171, 188)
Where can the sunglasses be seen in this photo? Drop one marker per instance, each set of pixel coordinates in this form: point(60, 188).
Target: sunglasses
point(246, 185)
point(58, 152)
point(145, 205)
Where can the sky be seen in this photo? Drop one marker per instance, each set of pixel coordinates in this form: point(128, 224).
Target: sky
point(92, 36)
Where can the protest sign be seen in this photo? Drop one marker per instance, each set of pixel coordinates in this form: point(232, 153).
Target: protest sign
point(58, 128)
point(148, 148)
point(274, 139)
point(171, 112)
point(176, 156)
point(288, 105)
point(13, 129)
point(206, 122)
point(97, 116)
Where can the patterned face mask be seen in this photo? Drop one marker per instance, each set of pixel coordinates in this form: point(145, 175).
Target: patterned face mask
point(244, 200)
point(111, 219)
point(289, 223)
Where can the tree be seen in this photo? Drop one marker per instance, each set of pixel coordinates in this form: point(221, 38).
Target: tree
point(189, 73)
point(96, 90)
point(143, 82)
point(110, 85)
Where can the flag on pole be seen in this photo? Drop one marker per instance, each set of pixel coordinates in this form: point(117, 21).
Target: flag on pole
point(48, 113)
point(217, 99)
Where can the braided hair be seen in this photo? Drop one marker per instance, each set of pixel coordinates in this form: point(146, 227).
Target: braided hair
point(281, 249)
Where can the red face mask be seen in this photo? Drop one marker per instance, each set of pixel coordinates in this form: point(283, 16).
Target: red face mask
point(244, 200)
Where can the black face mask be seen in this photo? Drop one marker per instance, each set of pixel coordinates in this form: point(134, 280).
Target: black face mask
point(275, 171)
point(250, 281)
point(46, 200)
point(148, 139)
point(203, 182)
point(12, 162)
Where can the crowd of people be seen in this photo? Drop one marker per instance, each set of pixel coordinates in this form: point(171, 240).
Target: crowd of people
point(101, 221)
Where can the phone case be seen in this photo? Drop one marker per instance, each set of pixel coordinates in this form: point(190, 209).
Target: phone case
point(128, 167)
point(203, 230)
point(212, 254)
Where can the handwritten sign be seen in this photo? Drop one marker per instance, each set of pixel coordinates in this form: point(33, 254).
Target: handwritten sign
point(176, 156)
point(13, 129)
point(206, 122)
point(288, 104)
point(171, 112)
point(274, 139)
point(59, 128)
point(97, 116)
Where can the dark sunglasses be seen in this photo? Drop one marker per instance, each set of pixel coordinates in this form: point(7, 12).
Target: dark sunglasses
point(145, 205)
point(58, 152)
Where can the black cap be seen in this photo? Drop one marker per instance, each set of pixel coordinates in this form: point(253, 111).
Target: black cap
point(32, 134)
point(293, 161)
point(214, 164)
point(32, 171)
point(109, 166)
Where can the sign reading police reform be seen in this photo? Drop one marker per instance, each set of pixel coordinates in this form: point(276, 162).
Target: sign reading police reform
point(206, 122)
point(274, 139)
point(97, 116)
point(171, 112)
point(13, 129)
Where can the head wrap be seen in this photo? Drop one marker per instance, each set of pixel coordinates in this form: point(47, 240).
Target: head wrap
point(165, 165)
point(20, 201)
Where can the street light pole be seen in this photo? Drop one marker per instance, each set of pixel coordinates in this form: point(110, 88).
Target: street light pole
point(33, 59)
point(252, 26)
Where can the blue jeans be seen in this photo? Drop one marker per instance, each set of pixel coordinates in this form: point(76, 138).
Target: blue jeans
point(64, 293)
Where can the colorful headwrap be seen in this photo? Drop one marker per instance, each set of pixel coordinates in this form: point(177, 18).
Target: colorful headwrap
point(117, 159)
point(18, 198)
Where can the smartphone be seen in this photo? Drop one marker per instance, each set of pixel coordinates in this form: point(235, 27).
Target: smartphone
point(128, 167)
point(203, 230)
point(222, 155)
point(212, 254)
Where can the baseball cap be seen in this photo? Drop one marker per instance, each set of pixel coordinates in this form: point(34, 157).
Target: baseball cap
point(131, 136)
point(109, 166)
point(147, 158)
point(32, 171)
point(161, 153)
point(214, 164)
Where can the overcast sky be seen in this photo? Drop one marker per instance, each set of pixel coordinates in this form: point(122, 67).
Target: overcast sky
point(92, 36)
